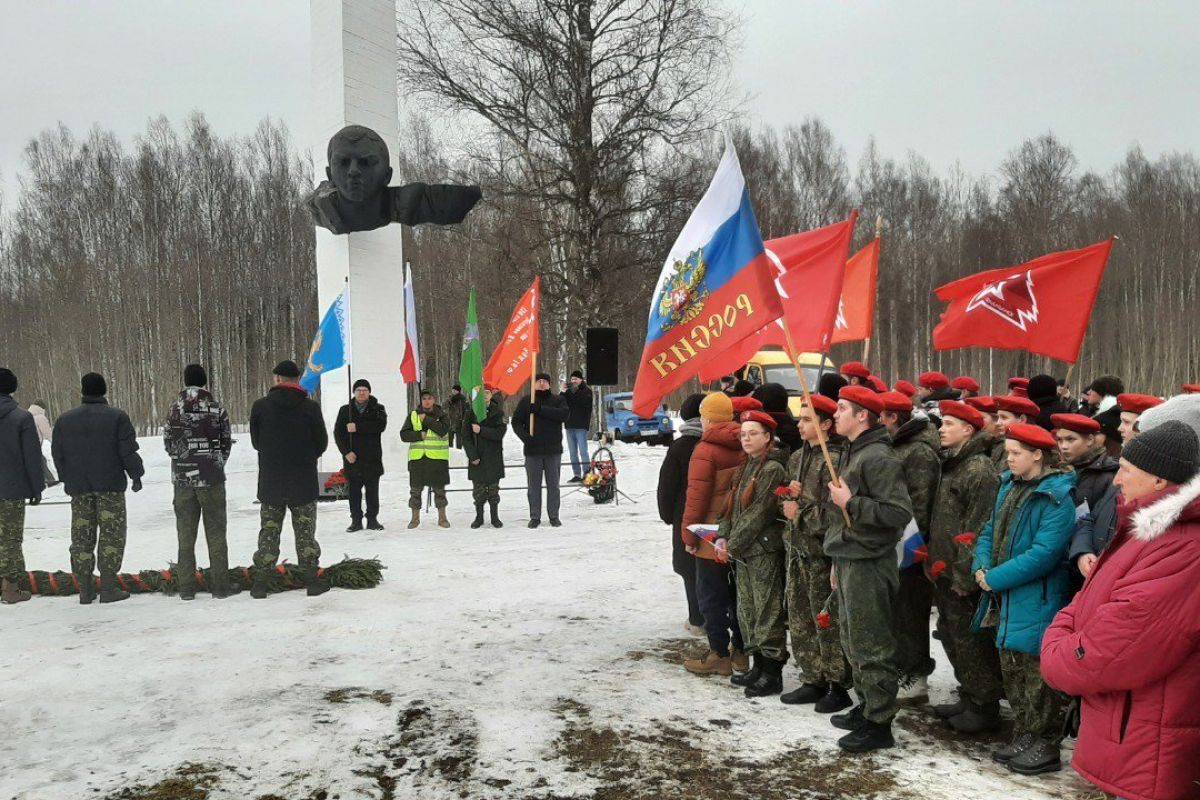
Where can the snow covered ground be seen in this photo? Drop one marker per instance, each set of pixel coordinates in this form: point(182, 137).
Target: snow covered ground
point(511, 663)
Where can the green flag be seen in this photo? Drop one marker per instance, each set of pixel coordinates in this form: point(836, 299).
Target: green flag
point(470, 369)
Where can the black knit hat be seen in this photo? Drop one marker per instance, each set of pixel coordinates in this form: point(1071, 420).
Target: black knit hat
point(1107, 386)
point(1171, 452)
point(831, 384)
point(194, 375)
point(773, 396)
point(93, 385)
point(362, 382)
point(690, 408)
point(1043, 388)
point(287, 369)
point(577, 374)
point(8, 381)
point(543, 376)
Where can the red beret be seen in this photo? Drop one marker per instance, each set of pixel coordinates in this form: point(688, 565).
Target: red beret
point(1023, 383)
point(1191, 388)
point(1017, 405)
point(965, 383)
point(877, 384)
point(906, 388)
point(746, 403)
point(1020, 391)
point(1032, 435)
point(1074, 422)
point(985, 404)
point(1137, 403)
point(934, 380)
point(855, 369)
point(862, 396)
point(895, 401)
point(759, 416)
point(823, 404)
point(969, 415)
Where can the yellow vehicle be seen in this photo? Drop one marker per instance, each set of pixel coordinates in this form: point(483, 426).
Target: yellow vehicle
point(773, 366)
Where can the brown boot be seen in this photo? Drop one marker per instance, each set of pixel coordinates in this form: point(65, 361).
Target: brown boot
point(740, 661)
point(416, 519)
point(12, 593)
point(711, 664)
point(442, 521)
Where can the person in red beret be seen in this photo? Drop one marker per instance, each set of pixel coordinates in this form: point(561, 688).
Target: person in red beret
point(965, 497)
point(930, 382)
point(1018, 387)
point(872, 494)
point(1020, 564)
point(1132, 406)
point(745, 403)
point(750, 532)
point(1191, 388)
point(876, 383)
point(906, 388)
point(1081, 446)
point(966, 386)
point(856, 373)
point(816, 647)
point(1011, 410)
point(915, 442)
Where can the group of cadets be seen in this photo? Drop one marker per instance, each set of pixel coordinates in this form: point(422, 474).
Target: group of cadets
point(1014, 498)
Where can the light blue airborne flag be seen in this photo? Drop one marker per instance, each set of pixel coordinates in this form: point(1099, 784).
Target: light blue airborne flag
point(331, 346)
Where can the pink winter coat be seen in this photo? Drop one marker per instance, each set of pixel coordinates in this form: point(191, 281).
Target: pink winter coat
point(1129, 645)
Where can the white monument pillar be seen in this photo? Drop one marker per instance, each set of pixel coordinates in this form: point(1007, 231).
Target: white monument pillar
point(354, 83)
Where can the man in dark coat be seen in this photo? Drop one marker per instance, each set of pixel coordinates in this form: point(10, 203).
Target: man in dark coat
point(539, 425)
point(426, 430)
point(483, 441)
point(358, 434)
point(198, 438)
point(288, 431)
point(672, 498)
point(774, 398)
point(21, 479)
point(456, 411)
point(1043, 390)
point(578, 396)
point(95, 448)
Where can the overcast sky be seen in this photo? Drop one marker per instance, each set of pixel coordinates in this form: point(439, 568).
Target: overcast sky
point(955, 80)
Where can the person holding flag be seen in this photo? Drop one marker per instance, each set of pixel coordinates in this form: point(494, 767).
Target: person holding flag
point(538, 423)
point(483, 441)
point(358, 433)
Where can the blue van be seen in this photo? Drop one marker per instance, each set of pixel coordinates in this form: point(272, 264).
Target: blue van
point(622, 425)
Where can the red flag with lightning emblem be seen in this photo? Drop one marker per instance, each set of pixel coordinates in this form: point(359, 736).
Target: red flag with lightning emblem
point(1042, 306)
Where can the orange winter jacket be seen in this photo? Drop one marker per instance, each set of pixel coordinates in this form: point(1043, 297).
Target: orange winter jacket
point(714, 463)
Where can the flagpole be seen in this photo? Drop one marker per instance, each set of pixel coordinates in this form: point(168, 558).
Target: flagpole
point(867, 350)
point(808, 402)
point(349, 369)
point(532, 386)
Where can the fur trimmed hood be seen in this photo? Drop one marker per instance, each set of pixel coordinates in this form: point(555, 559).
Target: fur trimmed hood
point(1154, 520)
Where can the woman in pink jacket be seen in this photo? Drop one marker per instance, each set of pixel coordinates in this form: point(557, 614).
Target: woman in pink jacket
point(1129, 644)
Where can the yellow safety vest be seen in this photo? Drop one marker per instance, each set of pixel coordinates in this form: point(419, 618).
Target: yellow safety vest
point(433, 446)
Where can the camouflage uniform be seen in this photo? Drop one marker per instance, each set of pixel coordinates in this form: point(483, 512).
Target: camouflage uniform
point(755, 538)
point(304, 526)
point(864, 559)
point(483, 493)
point(963, 506)
point(190, 504)
point(1037, 708)
point(999, 454)
point(818, 651)
point(918, 447)
point(93, 512)
point(12, 534)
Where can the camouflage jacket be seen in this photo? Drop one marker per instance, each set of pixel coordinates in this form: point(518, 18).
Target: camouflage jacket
point(197, 438)
point(879, 507)
point(919, 449)
point(963, 505)
point(999, 455)
point(754, 528)
point(806, 533)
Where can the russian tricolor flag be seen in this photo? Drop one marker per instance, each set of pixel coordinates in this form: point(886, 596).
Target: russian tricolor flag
point(716, 288)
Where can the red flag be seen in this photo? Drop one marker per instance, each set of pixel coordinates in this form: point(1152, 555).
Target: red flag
point(856, 309)
point(511, 363)
point(1042, 306)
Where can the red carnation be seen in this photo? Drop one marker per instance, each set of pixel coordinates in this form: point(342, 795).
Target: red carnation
point(783, 492)
point(920, 554)
point(937, 569)
point(965, 539)
point(824, 620)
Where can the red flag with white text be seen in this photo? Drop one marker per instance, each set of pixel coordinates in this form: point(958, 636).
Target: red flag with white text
point(856, 309)
point(511, 364)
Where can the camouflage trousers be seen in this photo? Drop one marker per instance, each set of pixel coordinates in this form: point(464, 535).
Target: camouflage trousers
point(191, 504)
point(304, 526)
point(102, 513)
point(866, 593)
point(817, 650)
point(973, 655)
point(914, 602)
point(416, 501)
point(1037, 708)
point(485, 492)
point(12, 536)
point(760, 612)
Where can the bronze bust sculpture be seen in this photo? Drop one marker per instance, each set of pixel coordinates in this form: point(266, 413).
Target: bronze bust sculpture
point(356, 195)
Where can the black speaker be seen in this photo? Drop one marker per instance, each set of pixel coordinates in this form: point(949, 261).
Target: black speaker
point(601, 366)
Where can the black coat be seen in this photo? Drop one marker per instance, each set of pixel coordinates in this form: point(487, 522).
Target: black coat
point(579, 407)
point(21, 474)
point(288, 431)
point(1094, 478)
point(366, 442)
point(487, 446)
point(550, 412)
point(94, 448)
point(672, 494)
point(427, 471)
point(1049, 406)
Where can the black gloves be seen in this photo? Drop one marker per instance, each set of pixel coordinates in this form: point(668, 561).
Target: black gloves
point(137, 484)
point(37, 498)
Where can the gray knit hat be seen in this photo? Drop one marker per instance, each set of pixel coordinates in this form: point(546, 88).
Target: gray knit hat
point(1170, 451)
point(1182, 407)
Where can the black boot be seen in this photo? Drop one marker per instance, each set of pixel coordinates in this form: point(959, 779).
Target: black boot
point(315, 582)
point(355, 526)
point(836, 699)
point(867, 737)
point(222, 588)
point(751, 675)
point(494, 505)
point(770, 679)
point(87, 588)
point(258, 590)
point(109, 591)
point(850, 720)
point(478, 522)
point(1037, 759)
point(807, 693)
point(374, 525)
point(1019, 745)
point(976, 717)
point(948, 710)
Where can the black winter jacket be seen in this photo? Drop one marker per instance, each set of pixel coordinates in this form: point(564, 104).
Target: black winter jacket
point(94, 448)
point(549, 412)
point(487, 446)
point(367, 440)
point(20, 453)
point(579, 405)
point(672, 490)
point(288, 431)
point(1094, 478)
